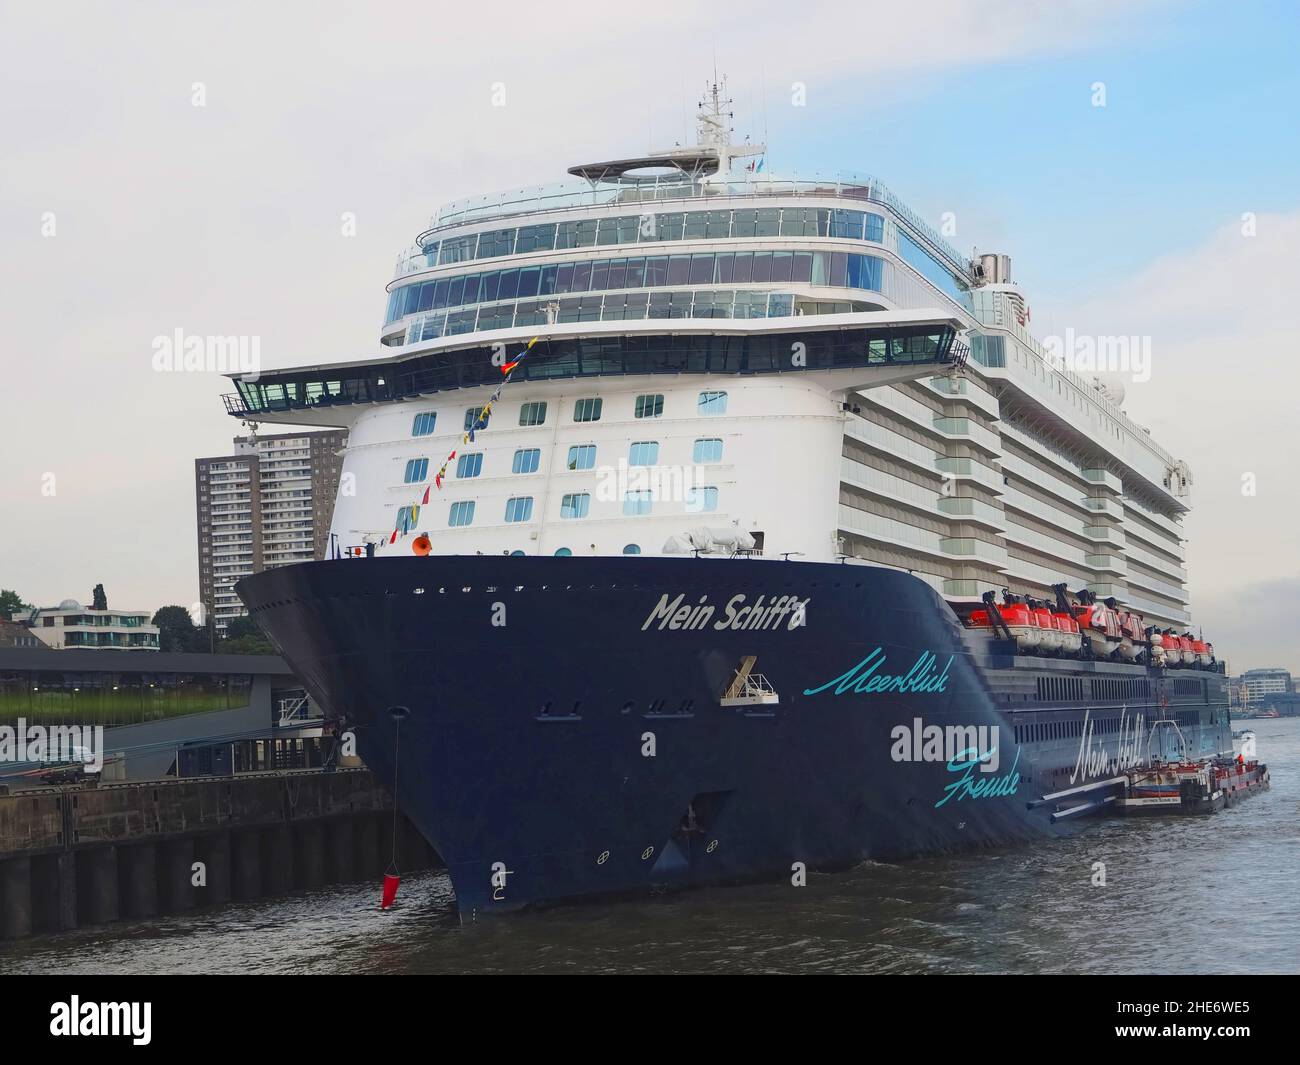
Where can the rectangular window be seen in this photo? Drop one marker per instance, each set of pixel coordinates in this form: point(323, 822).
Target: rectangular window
point(532, 413)
point(424, 423)
point(713, 403)
point(408, 518)
point(582, 457)
point(635, 503)
point(587, 410)
point(526, 460)
point(701, 500)
point(416, 470)
point(644, 453)
point(472, 419)
point(575, 505)
point(519, 508)
point(470, 465)
point(462, 513)
point(707, 450)
point(651, 406)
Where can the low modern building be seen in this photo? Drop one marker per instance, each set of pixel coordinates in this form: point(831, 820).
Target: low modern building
point(1262, 683)
point(71, 625)
point(1262, 690)
point(267, 504)
point(152, 706)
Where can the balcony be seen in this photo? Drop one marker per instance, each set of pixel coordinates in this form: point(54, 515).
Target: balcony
point(1104, 478)
point(969, 429)
point(974, 511)
point(965, 469)
point(1104, 506)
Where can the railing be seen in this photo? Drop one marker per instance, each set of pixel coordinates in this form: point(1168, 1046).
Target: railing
point(569, 196)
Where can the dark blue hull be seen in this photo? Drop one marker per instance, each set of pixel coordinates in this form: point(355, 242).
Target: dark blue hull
point(564, 733)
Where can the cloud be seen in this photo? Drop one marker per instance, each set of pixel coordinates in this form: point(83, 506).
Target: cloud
point(225, 219)
point(1254, 626)
point(1225, 378)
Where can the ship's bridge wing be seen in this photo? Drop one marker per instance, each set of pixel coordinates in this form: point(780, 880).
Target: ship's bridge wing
point(836, 351)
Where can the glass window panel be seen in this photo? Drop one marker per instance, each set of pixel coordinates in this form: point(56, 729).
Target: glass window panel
point(617, 272)
point(644, 453)
point(526, 460)
point(469, 465)
point(575, 505)
point(519, 508)
point(636, 273)
point(782, 265)
point(564, 278)
point(701, 270)
point(440, 294)
point(587, 410)
point(489, 286)
point(712, 403)
point(769, 222)
point(707, 450)
point(582, 457)
point(462, 513)
point(802, 266)
point(532, 413)
point(839, 269)
point(725, 263)
point(635, 503)
point(649, 406)
point(581, 277)
point(744, 268)
point(701, 500)
point(509, 285)
point(762, 267)
point(546, 282)
point(599, 276)
point(528, 281)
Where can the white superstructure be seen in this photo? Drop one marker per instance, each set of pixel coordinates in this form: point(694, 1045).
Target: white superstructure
point(635, 429)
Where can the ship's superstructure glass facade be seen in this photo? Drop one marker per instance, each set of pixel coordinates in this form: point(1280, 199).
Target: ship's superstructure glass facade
point(970, 460)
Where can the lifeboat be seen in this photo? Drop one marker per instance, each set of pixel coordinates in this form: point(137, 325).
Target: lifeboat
point(1068, 630)
point(1101, 625)
point(1204, 657)
point(1173, 649)
point(1050, 639)
point(1131, 638)
point(1024, 627)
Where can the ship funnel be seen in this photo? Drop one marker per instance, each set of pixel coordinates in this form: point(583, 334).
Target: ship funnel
point(992, 269)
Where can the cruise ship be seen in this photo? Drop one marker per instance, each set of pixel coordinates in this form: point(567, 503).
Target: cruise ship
point(699, 524)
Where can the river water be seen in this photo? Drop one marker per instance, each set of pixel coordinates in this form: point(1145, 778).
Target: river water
point(1196, 894)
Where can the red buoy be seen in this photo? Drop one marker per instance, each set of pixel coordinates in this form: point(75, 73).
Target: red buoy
point(390, 890)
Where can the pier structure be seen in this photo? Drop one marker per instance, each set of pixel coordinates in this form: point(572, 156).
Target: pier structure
point(77, 856)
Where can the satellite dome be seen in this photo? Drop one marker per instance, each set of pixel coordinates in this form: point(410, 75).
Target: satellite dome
point(1111, 387)
point(69, 604)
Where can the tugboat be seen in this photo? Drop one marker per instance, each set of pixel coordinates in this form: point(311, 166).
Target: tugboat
point(1186, 786)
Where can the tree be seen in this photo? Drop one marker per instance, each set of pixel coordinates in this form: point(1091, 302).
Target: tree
point(245, 637)
point(11, 603)
point(99, 601)
point(177, 631)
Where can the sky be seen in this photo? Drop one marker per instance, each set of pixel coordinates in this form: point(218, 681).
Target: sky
point(171, 166)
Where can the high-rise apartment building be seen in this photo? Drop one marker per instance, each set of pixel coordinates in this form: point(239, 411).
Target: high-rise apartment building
point(268, 504)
